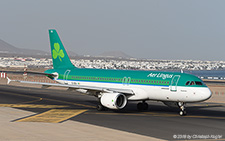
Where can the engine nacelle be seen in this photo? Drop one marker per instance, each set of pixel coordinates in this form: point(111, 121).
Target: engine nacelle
point(114, 100)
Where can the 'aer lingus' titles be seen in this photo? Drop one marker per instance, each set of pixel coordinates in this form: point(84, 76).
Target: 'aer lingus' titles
point(160, 75)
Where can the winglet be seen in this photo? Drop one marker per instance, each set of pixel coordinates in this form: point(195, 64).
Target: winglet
point(8, 80)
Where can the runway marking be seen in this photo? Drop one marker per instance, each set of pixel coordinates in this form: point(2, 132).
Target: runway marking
point(99, 113)
point(71, 103)
point(33, 106)
point(208, 104)
point(187, 116)
point(40, 98)
point(206, 117)
point(89, 106)
point(154, 114)
point(131, 114)
point(159, 114)
point(53, 116)
point(176, 115)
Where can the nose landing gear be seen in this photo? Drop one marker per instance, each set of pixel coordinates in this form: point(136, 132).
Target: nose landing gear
point(182, 108)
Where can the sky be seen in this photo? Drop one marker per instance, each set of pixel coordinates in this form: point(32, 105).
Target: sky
point(152, 29)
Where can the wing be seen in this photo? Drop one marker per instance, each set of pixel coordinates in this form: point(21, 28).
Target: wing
point(30, 72)
point(89, 88)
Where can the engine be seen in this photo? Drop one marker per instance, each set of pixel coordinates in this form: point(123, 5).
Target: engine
point(114, 100)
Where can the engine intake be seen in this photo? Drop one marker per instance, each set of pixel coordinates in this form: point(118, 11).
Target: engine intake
point(114, 100)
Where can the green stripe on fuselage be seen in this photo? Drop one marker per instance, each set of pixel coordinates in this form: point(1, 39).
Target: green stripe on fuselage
point(125, 76)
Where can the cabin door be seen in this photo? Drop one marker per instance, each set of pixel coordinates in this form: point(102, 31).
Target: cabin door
point(126, 81)
point(65, 76)
point(173, 84)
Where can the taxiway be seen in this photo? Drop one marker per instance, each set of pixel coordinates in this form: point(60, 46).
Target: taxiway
point(160, 121)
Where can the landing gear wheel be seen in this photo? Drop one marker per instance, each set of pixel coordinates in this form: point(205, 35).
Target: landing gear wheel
point(145, 106)
point(100, 107)
point(182, 113)
point(182, 108)
point(142, 106)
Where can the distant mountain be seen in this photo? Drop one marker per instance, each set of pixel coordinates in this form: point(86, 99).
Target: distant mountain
point(10, 49)
point(71, 53)
point(6, 48)
point(114, 54)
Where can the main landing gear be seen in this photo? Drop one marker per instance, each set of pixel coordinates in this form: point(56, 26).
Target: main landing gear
point(182, 108)
point(100, 107)
point(142, 106)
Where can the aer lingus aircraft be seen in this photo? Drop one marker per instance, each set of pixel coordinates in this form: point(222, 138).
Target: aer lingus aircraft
point(114, 88)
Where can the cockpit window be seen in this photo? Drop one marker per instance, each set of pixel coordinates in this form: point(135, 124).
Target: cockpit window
point(198, 83)
point(192, 83)
point(187, 83)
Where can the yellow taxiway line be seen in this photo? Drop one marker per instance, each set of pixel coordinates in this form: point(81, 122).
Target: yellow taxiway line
point(53, 116)
point(89, 106)
point(41, 99)
point(33, 106)
point(155, 114)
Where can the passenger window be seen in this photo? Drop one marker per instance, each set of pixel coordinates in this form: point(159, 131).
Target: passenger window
point(198, 83)
point(192, 83)
point(187, 83)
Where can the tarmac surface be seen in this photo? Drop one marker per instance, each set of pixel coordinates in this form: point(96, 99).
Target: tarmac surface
point(203, 121)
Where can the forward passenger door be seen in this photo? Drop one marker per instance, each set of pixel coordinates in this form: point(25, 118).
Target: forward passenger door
point(174, 82)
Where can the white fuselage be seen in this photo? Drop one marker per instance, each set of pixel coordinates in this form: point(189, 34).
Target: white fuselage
point(151, 92)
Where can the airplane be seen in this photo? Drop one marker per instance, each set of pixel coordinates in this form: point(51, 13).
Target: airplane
point(114, 88)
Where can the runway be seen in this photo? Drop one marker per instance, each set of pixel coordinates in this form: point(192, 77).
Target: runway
point(160, 121)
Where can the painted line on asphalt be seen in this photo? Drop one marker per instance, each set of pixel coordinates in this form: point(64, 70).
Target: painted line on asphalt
point(33, 106)
point(88, 106)
point(155, 114)
point(207, 104)
point(70, 103)
point(38, 100)
point(52, 116)
point(187, 116)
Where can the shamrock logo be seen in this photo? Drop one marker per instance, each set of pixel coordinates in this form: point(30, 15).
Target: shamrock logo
point(57, 52)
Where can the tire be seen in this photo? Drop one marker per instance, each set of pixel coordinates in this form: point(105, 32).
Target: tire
point(145, 106)
point(100, 107)
point(183, 113)
point(140, 106)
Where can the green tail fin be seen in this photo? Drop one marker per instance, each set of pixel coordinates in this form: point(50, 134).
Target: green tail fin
point(60, 57)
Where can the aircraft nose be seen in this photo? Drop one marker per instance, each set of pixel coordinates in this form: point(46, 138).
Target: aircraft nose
point(206, 94)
